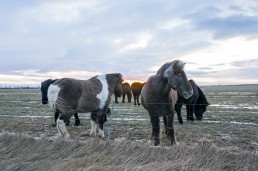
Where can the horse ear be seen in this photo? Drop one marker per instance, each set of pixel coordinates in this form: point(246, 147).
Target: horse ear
point(120, 76)
point(178, 64)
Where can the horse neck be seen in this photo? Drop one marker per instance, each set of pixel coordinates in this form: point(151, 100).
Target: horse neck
point(162, 86)
point(111, 86)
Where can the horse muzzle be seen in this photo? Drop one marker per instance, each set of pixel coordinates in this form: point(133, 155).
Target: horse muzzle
point(187, 94)
point(44, 102)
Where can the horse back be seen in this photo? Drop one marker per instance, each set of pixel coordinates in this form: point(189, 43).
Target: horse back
point(78, 95)
point(137, 88)
point(126, 88)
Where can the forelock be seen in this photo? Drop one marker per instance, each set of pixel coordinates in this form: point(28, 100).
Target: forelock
point(181, 64)
point(171, 65)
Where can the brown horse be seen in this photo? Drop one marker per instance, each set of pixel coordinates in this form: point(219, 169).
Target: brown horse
point(126, 92)
point(70, 96)
point(136, 90)
point(158, 100)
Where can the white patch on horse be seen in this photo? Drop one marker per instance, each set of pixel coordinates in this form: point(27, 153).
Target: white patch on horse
point(62, 129)
point(167, 72)
point(52, 95)
point(103, 95)
point(101, 133)
point(93, 129)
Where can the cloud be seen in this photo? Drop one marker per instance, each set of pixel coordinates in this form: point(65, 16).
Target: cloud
point(246, 63)
point(140, 41)
point(131, 37)
point(237, 21)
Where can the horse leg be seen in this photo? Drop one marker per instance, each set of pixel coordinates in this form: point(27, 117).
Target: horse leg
point(138, 101)
point(93, 130)
point(123, 98)
point(67, 122)
point(178, 108)
point(101, 119)
point(165, 123)
point(116, 101)
point(170, 129)
point(190, 110)
point(155, 129)
point(61, 126)
point(56, 117)
point(134, 98)
point(129, 97)
point(77, 120)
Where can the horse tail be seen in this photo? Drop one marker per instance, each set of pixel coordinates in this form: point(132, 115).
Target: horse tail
point(52, 95)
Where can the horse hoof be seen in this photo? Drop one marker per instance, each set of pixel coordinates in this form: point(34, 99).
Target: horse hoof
point(180, 120)
point(156, 141)
point(174, 143)
point(102, 137)
point(77, 123)
point(66, 136)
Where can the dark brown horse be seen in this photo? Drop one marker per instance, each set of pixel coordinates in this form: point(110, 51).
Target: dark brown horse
point(158, 100)
point(126, 92)
point(70, 96)
point(136, 90)
point(197, 104)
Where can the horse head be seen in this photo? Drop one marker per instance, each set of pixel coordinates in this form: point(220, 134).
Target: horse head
point(201, 105)
point(118, 91)
point(177, 79)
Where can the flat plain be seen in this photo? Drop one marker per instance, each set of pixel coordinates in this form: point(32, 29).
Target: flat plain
point(231, 121)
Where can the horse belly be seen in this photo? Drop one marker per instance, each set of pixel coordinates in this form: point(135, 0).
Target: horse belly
point(85, 106)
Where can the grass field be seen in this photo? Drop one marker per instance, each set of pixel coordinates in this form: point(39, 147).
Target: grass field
point(231, 121)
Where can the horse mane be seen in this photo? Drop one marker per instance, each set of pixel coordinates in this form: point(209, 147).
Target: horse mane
point(166, 68)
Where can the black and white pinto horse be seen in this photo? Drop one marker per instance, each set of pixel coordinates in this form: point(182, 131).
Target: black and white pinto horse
point(44, 88)
point(136, 90)
point(196, 104)
point(70, 96)
point(158, 97)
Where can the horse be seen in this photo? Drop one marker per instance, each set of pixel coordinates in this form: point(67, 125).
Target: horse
point(136, 90)
point(157, 97)
point(126, 91)
point(44, 88)
point(70, 96)
point(196, 104)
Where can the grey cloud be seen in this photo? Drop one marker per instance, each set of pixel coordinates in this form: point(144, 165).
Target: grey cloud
point(221, 27)
point(232, 26)
point(245, 63)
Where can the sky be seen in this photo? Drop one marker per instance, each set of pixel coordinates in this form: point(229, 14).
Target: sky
point(42, 39)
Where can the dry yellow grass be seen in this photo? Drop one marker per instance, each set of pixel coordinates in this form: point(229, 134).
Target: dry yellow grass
point(20, 152)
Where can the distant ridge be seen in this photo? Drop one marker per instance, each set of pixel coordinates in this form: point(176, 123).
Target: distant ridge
point(19, 86)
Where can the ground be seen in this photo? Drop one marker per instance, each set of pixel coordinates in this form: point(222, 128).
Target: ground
point(231, 121)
